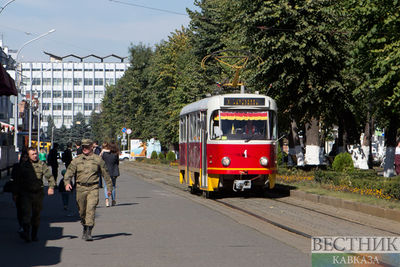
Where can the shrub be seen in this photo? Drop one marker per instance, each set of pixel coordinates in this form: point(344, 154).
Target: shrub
point(171, 156)
point(161, 156)
point(281, 156)
point(154, 155)
point(343, 162)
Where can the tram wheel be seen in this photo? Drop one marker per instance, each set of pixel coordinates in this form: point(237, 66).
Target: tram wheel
point(193, 189)
point(208, 194)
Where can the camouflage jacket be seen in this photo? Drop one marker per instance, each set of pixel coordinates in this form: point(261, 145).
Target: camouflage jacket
point(86, 170)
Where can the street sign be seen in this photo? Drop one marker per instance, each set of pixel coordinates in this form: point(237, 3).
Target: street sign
point(128, 131)
point(124, 142)
point(123, 130)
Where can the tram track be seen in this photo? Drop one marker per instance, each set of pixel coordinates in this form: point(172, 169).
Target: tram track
point(254, 213)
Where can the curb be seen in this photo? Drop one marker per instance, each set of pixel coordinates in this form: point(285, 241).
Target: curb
point(350, 205)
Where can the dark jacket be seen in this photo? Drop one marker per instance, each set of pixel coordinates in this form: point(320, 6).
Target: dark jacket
point(112, 163)
point(52, 158)
point(67, 157)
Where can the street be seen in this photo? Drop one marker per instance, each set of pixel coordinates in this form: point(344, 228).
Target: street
point(150, 226)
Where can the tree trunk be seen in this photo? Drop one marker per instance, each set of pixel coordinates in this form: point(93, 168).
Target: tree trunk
point(342, 137)
point(314, 152)
point(295, 152)
point(390, 141)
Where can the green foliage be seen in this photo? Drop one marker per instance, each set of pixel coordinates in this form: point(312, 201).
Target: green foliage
point(161, 156)
point(361, 179)
point(280, 156)
point(171, 156)
point(343, 163)
point(154, 155)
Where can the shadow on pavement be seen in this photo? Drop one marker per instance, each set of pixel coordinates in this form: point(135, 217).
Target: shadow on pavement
point(126, 204)
point(99, 237)
point(15, 251)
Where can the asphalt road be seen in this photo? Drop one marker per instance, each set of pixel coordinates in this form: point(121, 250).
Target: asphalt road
point(150, 226)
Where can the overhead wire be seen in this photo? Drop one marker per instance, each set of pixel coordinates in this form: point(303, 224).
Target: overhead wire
point(147, 7)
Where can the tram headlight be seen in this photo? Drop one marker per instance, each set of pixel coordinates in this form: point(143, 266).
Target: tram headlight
point(264, 161)
point(226, 161)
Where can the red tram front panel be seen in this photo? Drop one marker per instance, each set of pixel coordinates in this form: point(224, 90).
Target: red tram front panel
point(245, 158)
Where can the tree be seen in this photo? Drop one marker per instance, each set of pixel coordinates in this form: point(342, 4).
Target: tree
point(303, 52)
point(79, 129)
point(375, 56)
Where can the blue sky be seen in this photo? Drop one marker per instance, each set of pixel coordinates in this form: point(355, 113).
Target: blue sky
point(84, 27)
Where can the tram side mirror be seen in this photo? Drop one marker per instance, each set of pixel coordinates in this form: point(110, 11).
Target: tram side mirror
point(282, 136)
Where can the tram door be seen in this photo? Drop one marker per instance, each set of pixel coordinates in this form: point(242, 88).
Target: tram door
point(203, 123)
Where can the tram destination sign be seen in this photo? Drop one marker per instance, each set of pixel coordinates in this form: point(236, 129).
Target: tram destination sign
point(243, 101)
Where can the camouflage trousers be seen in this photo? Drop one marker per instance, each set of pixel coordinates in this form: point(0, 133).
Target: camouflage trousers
point(87, 198)
point(31, 206)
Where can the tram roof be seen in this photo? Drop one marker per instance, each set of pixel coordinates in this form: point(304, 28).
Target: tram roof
point(204, 104)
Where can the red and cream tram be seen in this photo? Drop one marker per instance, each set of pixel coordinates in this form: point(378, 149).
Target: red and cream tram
point(228, 141)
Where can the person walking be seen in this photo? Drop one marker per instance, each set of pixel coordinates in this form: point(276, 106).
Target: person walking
point(67, 155)
point(52, 161)
point(110, 156)
point(14, 190)
point(42, 155)
point(397, 158)
point(97, 151)
point(29, 189)
point(78, 147)
point(85, 168)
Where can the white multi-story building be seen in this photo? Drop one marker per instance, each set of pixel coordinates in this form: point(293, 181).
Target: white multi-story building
point(66, 88)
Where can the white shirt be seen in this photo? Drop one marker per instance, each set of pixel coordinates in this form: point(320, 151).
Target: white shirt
point(397, 152)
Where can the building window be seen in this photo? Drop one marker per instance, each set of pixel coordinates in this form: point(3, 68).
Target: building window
point(46, 81)
point(78, 107)
point(88, 81)
point(46, 106)
point(67, 120)
point(97, 106)
point(88, 106)
point(56, 94)
point(67, 106)
point(77, 94)
point(77, 81)
point(98, 81)
point(57, 119)
point(67, 81)
point(98, 94)
point(57, 106)
point(26, 81)
point(110, 81)
point(88, 94)
point(57, 81)
point(46, 94)
point(35, 81)
point(67, 94)
point(108, 70)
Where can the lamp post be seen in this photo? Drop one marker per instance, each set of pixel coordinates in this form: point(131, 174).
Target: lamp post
point(3, 7)
point(18, 87)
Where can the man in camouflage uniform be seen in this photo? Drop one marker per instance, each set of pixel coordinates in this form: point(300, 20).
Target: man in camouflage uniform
point(86, 169)
point(29, 190)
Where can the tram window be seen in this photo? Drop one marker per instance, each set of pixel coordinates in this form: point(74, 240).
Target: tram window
point(198, 127)
point(243, 125)
point(182, 129)
point(192, 127)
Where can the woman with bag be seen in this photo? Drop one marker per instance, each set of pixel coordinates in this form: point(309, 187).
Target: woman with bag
point(110, 155)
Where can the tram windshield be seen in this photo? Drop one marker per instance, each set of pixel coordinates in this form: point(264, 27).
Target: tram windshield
point(243, 125)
